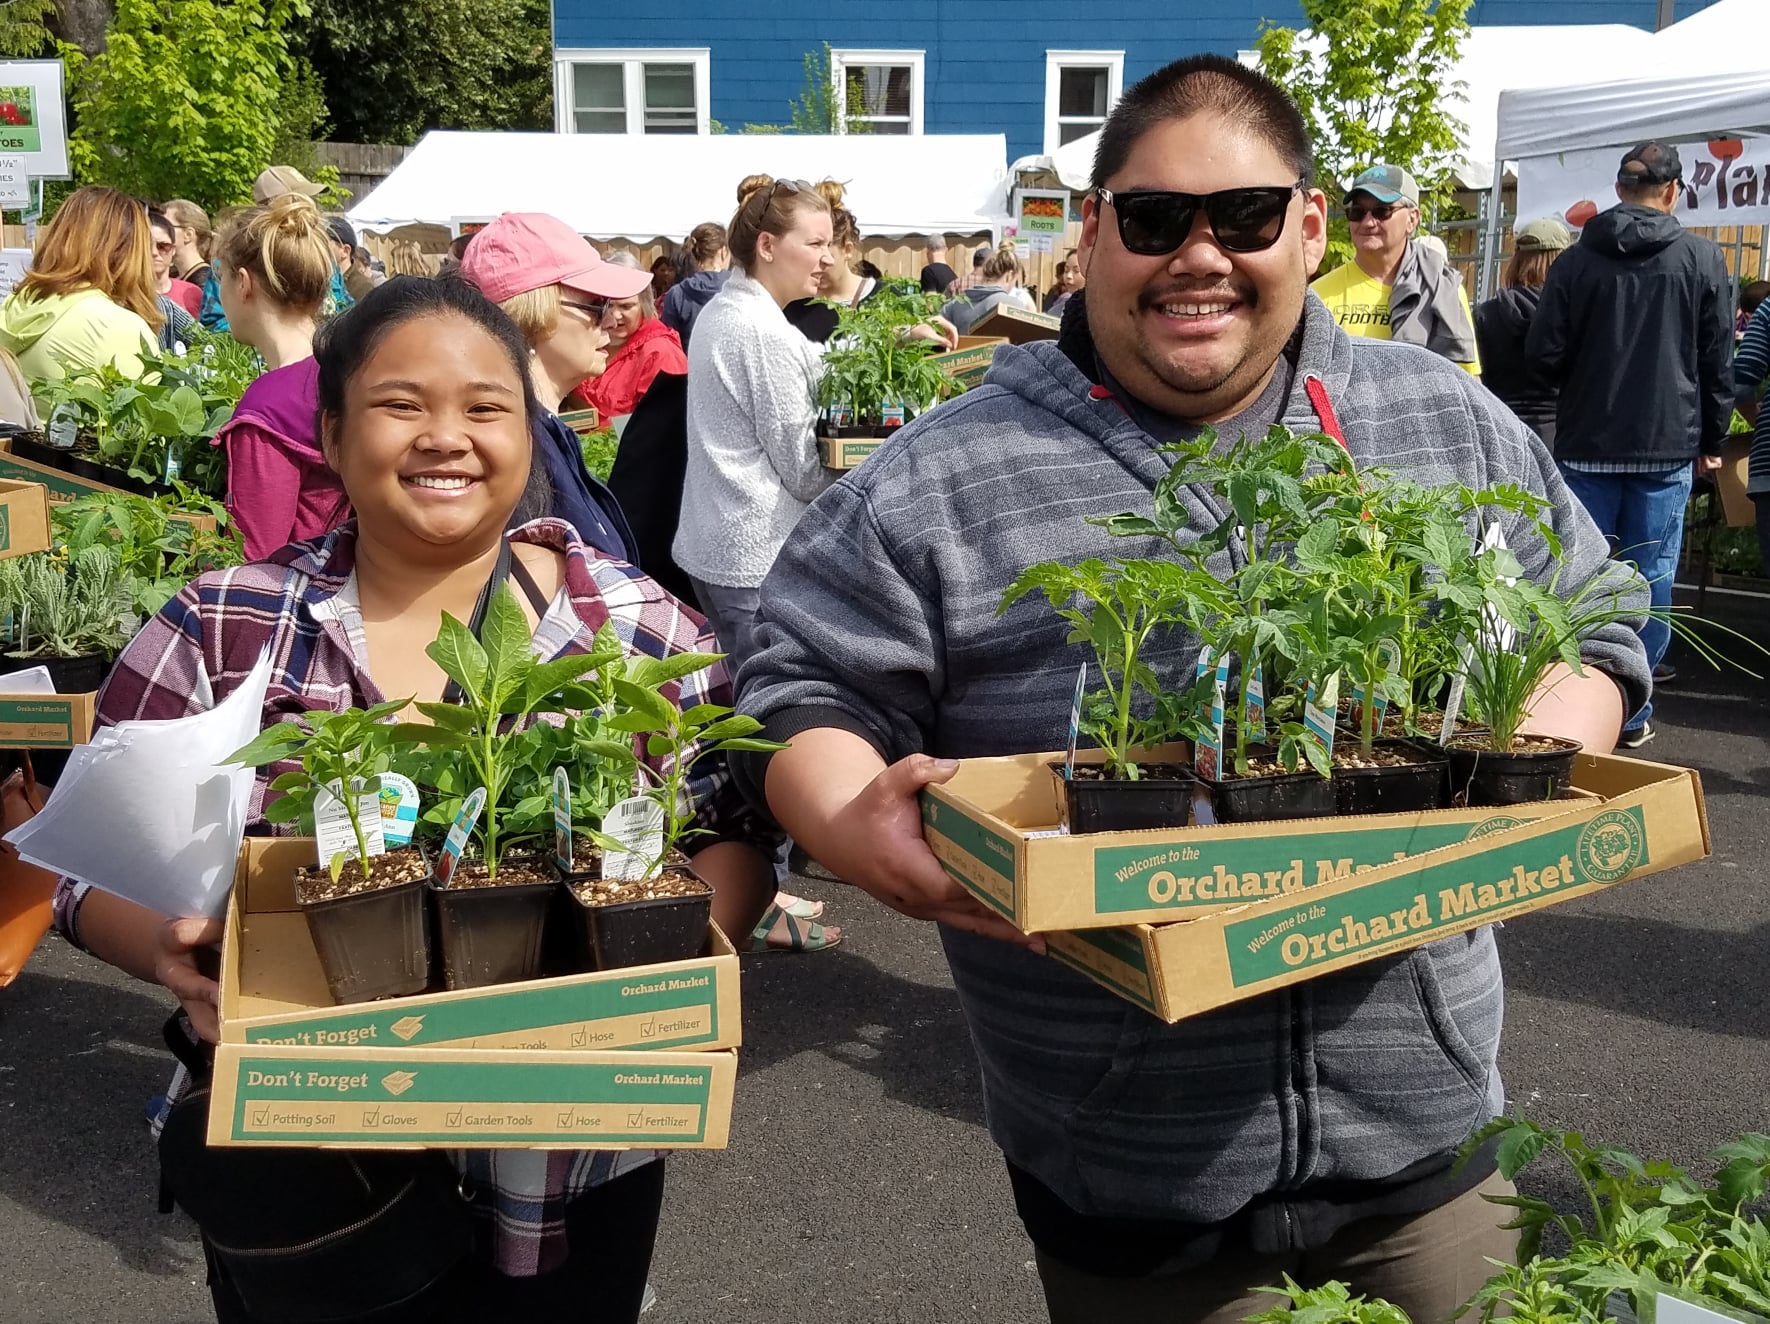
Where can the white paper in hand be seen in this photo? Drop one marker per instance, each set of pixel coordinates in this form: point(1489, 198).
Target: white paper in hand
point(147, 810)
point(638, 824)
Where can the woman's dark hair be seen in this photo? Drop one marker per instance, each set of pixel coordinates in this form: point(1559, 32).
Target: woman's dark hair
point(1193, 86)
point(350, 340)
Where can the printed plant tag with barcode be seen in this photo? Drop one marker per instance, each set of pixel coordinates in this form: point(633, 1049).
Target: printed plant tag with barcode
point(331, 823)
point(638, 824)
point(562, 820)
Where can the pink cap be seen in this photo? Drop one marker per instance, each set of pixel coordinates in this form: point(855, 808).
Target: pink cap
point(526, 250)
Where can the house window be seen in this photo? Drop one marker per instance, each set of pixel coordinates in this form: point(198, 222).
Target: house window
point(878, 91)
point(1080, 87)
point(631, 91)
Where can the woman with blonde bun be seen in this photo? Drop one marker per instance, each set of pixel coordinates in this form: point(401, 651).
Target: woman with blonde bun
point(1000, 285)
point(274, 271)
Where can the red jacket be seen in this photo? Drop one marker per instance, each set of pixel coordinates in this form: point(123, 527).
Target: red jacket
point(652, 349)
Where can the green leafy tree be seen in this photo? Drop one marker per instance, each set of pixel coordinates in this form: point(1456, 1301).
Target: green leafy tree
point(817, 109)
point(188, 98)
point(393, 71)
point(24, 27)
point(1373, 84)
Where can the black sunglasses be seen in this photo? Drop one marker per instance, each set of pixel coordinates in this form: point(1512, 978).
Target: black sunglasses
point(1244, 220)
point(595, 310)
point(1358, 211)
point(790, 185)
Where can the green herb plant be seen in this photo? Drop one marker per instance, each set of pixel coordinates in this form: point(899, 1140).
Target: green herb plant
point(65, 605)
point(1331, 1303)
point(1120, 609)
point(344, 752)
point(161, 549)
point(872, 361)
point(675, 740)
point(502, 684)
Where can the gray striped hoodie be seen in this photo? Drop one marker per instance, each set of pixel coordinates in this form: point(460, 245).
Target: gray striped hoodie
point(879, 616)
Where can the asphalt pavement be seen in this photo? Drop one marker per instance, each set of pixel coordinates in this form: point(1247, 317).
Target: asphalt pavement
point(860, 1184)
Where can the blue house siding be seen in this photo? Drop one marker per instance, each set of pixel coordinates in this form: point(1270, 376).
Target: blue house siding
point(984, 60)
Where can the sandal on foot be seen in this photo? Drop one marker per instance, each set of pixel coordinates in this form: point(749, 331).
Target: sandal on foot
point(778, 931)
point(799, 907)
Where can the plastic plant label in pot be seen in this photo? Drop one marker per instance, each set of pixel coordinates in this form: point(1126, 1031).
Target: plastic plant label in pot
point(637, 823)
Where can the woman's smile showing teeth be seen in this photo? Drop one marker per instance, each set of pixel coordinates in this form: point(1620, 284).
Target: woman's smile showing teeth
point(439, 482)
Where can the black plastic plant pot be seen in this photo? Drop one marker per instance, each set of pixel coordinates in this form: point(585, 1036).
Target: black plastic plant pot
point(1484, 777)
point(1102, 804)
point(1272, 799)
point(35, 448)
point(1403, 789)
point(648, 932)
point(81, 674)
point(864, 431)
point(491, 935)
point(373, 944)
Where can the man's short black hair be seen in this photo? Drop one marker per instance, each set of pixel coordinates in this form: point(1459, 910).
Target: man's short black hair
point(1197, 84)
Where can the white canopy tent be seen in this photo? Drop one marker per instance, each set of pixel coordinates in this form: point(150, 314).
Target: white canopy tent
point(1708, 75)
point(642, 188)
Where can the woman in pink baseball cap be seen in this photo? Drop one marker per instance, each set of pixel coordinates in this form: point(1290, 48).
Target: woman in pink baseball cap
point(556, 287)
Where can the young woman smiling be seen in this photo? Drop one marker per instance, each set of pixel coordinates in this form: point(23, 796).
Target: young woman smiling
point(426, 406)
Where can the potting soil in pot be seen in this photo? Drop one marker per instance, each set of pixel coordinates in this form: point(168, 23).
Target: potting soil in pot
point(670, 883)
point(315, 884)
point(1160, 796)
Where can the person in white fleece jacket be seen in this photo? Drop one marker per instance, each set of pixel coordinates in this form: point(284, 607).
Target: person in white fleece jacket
point(752, 407)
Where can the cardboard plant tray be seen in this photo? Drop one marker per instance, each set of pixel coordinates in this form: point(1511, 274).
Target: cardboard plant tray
point(1018, 325)
point(1647, 817)
point(970, 361)
point(846, 452)
point(24, 517)
point(45, 721)
point(375, 1098)
point(273, 992)
point(994, 828)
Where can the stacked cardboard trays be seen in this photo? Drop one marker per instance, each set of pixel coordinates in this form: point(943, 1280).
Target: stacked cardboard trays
point(634, 1058)
point(61, 487)
point(35, 721)
point(1184, 920)
point(968, 363)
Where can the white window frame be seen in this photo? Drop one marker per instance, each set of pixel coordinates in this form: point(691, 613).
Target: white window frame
point(1057, 61)
point(632, 60)
point(839, 62)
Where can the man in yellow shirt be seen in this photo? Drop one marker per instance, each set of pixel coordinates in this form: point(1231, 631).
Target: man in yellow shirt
point(1395, 288)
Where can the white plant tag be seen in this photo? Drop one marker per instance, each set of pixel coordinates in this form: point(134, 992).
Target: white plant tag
point(638, 824)
point(1497, 634)
point(399, 809)
point(1075, 723)
point(1459, 682)
point(456, 841)
point(331, 823)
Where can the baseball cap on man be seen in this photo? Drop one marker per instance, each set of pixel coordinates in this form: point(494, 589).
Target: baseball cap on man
point(1387, 183)
point(528, 250)
point(341, 231)
point(1651, 163)
point(274, 181)
point(1544, 234)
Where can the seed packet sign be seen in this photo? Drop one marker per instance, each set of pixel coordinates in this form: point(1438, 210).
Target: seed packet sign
point(1254, 714)
point(1207, 758)
point(638, 824)
point(456, 841)
point(562, 820)
point(1319, 710)
point(331, 823)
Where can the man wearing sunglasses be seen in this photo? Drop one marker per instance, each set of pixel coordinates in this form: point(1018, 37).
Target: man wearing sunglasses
point(1163, 1172)
point(1395, 288)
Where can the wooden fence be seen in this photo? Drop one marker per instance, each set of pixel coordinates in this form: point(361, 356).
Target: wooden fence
point(360, 166)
